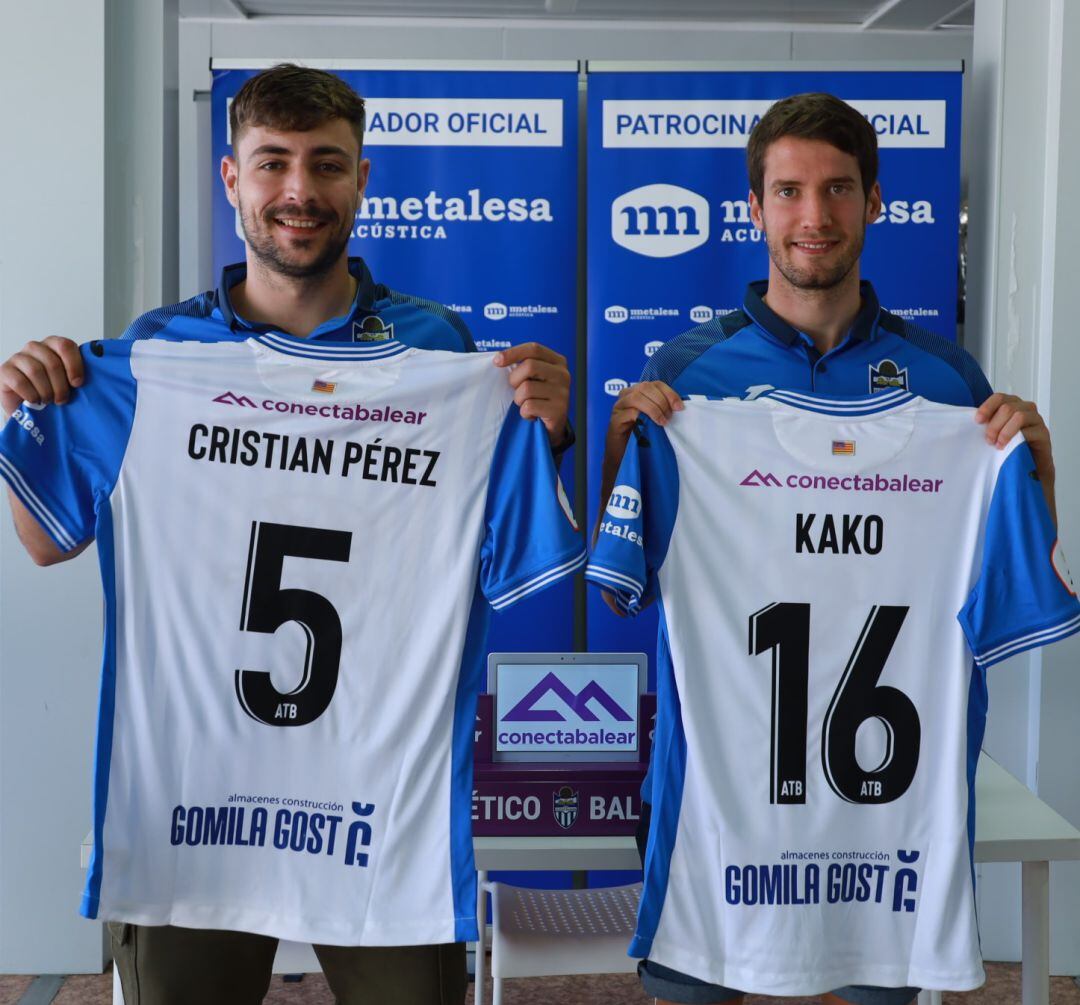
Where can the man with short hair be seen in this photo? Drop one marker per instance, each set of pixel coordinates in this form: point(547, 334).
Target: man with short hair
point(296, 177)
point(813, 325)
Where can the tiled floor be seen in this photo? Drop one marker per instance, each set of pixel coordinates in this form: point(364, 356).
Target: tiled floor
point(1002, 988)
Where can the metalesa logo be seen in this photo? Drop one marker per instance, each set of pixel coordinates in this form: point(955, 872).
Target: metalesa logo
point(660, 221)
point(624, 502)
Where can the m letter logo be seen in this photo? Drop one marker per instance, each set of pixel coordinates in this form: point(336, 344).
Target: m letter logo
point(757, 478)
point(578, 703)
point(660, 221)
point(228, 398)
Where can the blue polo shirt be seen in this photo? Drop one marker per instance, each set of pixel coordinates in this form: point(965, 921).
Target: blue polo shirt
point(754, 346)
point(377, 313)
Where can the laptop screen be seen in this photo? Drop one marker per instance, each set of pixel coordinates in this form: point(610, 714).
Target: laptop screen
point(566, 706)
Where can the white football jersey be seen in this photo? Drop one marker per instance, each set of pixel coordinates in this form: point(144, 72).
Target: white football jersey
point(826, 570)
point(299, 544)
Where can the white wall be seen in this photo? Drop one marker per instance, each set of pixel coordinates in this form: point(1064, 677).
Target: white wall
point(1023, 302)
point(88, 119)
point(52, 175)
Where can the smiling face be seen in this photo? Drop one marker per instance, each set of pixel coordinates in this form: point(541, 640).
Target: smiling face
point(297, 194)
point(813, 212)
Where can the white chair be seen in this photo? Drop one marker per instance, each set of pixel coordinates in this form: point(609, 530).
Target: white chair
point(540, 933)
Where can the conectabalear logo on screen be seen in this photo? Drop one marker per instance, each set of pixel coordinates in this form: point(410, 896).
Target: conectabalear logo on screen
point(576, 702)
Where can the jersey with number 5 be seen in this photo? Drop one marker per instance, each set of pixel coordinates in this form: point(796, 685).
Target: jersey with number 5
point(826, 569)
point(299, 545)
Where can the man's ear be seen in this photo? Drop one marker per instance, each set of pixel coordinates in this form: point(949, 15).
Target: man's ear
point(873, 203)
point(363, 170)
point(757, 214)
point(230, 174)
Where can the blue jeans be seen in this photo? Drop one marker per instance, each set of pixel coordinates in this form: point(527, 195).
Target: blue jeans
point(672, 986)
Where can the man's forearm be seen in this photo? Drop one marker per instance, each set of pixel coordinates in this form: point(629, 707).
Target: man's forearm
point(609, 471)
point(39, 546)
point(1051, 500)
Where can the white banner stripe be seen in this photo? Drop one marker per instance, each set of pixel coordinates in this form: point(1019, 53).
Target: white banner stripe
point(695, 123)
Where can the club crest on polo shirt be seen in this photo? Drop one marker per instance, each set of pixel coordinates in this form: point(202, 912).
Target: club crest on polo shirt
point(887, 376)
point(372, 329)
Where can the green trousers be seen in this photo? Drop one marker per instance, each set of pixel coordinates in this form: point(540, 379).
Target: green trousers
point(165, 965)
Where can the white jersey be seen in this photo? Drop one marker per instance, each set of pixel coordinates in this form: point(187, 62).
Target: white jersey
point(826, 570)
point(299, 545)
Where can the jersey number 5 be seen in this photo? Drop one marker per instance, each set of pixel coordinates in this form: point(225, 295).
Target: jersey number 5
point(785, 630)
point(267, 607)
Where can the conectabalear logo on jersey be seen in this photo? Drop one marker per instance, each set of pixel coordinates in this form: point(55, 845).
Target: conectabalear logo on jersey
point(355, 412)
point(229, 398)
point(844, 483)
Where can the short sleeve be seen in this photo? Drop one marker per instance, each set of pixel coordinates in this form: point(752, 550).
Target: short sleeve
point(1024, 596)
point(635, 527)
point(531, 539)
point(62, 461)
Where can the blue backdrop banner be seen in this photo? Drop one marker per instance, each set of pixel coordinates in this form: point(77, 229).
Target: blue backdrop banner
point(669, 233)
point(472, 202)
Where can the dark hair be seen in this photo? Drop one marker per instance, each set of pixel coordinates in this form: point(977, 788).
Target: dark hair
point(813, 116)
point(295, 98)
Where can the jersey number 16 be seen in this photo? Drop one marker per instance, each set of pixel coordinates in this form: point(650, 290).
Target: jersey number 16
point(785, 630)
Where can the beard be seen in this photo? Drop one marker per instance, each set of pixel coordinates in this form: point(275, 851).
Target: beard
point(820, 277)
point(260, 237)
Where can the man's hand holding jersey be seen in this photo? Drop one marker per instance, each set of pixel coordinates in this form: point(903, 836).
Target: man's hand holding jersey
point(541, 382)
point(40, 373)
point(651, 398)
point(1005, 415)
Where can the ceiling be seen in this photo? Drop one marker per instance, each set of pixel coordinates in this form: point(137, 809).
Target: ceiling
point(871, 15)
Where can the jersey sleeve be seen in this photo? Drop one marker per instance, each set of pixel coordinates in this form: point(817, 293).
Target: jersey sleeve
point(635, 527)
point(62, 461)
point(531, 539)
point(1024, 596)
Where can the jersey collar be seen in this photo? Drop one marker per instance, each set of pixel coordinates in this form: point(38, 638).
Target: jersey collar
point(770, 322)
point(339, 328)
point(281, 344)
point(850, 406)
